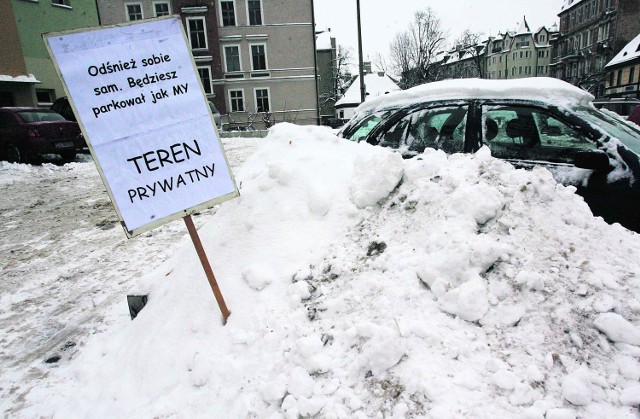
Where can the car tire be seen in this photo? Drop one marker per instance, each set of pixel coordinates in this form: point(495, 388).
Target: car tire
point(68, 155)
point(13, 154)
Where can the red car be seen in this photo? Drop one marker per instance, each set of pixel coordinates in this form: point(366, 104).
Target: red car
point(635, 115)
point(26, 133)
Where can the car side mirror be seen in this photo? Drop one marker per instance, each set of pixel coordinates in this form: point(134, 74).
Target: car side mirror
point(592, 159)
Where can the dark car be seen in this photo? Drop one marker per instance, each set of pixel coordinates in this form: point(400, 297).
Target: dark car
point(554, 126)
point(635, 116)
point(26, 133)
point(63, 107)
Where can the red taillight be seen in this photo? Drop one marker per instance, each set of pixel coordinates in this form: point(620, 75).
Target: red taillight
point(32, 133)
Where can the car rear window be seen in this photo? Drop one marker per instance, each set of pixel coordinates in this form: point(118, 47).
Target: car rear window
point(40, 116)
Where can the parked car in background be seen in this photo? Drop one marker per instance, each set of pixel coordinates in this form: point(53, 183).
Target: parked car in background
point(542, 122)
point(635, 115)
point(26, 133)
point(621, 106)
point(63, 107)
point(217, 118)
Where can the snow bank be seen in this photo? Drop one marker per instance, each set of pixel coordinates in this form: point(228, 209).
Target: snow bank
point(364, 285)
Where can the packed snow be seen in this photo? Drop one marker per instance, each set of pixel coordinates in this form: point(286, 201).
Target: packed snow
point(360, 285)
point(538, 88)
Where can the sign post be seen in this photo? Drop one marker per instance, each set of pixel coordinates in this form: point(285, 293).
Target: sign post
point(139, 101)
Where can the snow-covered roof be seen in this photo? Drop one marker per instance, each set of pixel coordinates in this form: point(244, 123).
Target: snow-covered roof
point(376, 85)
point(523, 28)
point(630, 52)
point(323, 41)
point(538, 88)
point(20, 79)
point(568, 4)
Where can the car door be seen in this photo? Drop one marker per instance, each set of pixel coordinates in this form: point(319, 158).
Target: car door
point(530, 136)
point(438, 127)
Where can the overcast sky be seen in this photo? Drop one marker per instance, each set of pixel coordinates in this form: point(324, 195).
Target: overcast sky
point(381, 20)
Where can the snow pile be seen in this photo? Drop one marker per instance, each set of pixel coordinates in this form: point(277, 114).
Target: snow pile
point(364, 285)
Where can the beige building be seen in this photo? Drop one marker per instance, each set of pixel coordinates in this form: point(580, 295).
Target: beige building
point(521, 53)
point(256, 58)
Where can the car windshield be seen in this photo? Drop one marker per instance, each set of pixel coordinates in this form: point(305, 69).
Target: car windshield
point(365, 126)
point(628, 135)
point(40, 116)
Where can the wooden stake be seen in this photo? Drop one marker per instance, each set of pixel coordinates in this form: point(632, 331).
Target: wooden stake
point(207, 268)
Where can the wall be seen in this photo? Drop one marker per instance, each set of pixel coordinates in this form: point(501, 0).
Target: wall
point(35, 18)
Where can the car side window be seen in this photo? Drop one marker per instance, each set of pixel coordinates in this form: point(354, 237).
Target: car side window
point(439, 128)
point(527, 133)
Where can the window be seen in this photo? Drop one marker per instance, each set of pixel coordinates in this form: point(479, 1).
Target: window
point(262, 100)
point(228, 12)
point(259, 57)
point(232, 58)
point(631, 74)
point(439, 128)
point(161, 8)
point(236, 100)
point(530, 134)
point(254, 11)
point(205, 77)
point(45, 97)
point(134, 11)
point(197, 33)
point(62, 2)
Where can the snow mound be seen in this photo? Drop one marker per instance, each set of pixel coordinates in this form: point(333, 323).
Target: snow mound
point(364, 285)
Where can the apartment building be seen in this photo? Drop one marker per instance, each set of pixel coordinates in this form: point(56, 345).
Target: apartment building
point(27, 74)
point(623, 72)
point(592, 32)
point(521, 53)
point(256, 58)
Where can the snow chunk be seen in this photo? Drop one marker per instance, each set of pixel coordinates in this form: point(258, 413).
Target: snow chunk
point(469, 301)
point(617, 328)
point(300, 383)
point(576, 388)
point(630, 396)
point(369, 183)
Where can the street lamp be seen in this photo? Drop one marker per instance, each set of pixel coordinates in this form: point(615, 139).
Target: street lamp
point(360, 63)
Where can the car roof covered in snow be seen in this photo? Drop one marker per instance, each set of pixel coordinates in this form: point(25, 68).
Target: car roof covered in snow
point(543, 89)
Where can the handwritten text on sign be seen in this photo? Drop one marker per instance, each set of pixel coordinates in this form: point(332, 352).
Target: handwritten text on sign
point(138, 97)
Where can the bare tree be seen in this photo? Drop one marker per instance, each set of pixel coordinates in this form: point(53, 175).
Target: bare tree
point(470, 43)
point(339, 75)
point(413, 52)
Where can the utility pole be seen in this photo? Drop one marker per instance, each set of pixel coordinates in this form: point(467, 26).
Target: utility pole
point(363, 88)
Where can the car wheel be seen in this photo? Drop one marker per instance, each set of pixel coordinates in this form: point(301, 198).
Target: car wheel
point(68, 155)
point(13, 154)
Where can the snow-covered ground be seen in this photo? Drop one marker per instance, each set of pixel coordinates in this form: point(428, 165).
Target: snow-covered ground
point(360, 285)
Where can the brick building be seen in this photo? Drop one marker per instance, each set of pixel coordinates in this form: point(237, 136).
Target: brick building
point(592, 32)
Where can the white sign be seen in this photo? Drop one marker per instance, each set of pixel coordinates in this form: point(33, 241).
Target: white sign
point(138, 98)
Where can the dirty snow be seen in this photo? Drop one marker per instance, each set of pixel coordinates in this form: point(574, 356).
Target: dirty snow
point(360, 285)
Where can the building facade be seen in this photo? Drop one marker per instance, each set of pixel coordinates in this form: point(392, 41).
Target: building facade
point(256, 58)
point(623, 72)
point(519, 54)
point(592, 32)
point(326, 52)
point(27, 74)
